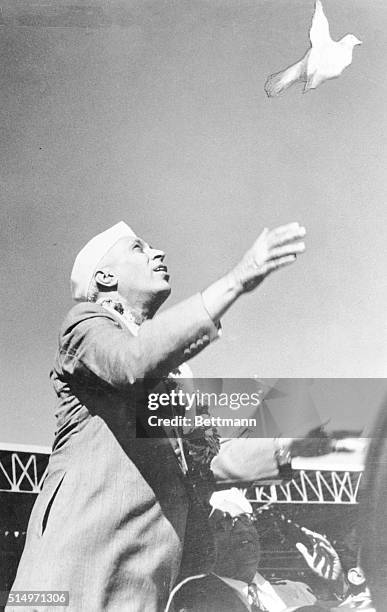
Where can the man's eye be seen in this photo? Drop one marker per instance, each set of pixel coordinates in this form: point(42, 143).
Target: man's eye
point(137, 246)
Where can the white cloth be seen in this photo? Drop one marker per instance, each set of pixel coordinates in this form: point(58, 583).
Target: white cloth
point(231, 501)
point(362, 601)
point(283, 597)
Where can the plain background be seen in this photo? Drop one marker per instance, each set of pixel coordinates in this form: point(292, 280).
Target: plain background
point(154, 112)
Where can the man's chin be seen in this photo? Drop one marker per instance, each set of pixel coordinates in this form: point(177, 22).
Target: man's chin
point(247, 571)
point(166, 288)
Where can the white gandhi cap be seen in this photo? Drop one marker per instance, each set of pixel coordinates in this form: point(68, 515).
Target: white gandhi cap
point(89, 257)
point(232, 501)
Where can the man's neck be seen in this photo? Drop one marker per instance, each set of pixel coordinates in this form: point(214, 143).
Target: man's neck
point(139, 315)
point(137, 312)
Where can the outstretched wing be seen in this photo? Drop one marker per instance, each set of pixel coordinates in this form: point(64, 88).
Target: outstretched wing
point(319, 31)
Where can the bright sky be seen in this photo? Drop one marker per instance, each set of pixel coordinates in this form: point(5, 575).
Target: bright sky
point(160, 119)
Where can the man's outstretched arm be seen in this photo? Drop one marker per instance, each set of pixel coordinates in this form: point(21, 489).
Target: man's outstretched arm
point(91, 343)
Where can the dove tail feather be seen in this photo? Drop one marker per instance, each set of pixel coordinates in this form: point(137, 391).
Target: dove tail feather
point(279, 82)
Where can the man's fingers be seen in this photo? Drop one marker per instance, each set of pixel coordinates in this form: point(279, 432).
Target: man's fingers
point(288, 249)
point(315, 536)
point(319, 559)
point(284, 234)
point(305, 553)
point(288, 238)
point(327, 568)
point(283, 229)
point(325, 545)
point(312, 559)
point(324, 560)
point(309, 532)
point(276, 264)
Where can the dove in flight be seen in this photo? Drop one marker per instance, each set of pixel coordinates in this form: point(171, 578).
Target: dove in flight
point(325, 59)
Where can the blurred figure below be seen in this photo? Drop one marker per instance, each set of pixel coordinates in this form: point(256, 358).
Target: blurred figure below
point(235, 584)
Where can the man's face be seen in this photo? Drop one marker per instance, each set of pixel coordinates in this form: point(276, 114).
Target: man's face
point(237, 546)
point(140, 270)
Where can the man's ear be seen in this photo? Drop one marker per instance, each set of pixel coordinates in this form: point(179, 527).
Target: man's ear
point(106, 279)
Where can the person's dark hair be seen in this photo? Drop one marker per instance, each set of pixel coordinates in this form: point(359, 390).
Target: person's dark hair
point(373, 514)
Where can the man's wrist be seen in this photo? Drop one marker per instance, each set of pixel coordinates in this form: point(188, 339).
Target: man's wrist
point(340, 586)
point(283, 457)
point(234, 283)
point(218, 297)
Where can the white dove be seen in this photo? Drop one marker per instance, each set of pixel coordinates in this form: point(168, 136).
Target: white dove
point(326, 58)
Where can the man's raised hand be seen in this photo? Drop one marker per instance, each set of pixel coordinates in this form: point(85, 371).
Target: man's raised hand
point(273, 250)
point(323, 559)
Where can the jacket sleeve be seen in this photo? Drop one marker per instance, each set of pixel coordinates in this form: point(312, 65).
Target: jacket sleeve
point(92, 342)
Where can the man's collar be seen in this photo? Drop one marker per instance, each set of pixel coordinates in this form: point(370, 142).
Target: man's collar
point(241, 586)
point(125, 316)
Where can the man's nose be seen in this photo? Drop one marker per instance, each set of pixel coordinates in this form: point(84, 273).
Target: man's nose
point(157, 254)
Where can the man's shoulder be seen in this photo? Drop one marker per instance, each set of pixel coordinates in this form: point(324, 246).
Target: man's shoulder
point(294, 592)
point(82, 308)
point(84, 311)
point(206, 593)
point(293, 584)
point(196, 584)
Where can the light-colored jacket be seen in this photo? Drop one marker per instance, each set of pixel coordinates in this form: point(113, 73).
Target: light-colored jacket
point(109, 523)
